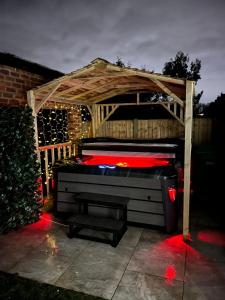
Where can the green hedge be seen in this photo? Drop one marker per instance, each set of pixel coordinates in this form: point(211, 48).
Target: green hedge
point(19, 170)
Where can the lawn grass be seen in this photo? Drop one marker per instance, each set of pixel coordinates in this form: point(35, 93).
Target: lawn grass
point(13, 287)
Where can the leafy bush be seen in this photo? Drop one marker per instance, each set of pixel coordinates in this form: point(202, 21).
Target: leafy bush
point(19, 169)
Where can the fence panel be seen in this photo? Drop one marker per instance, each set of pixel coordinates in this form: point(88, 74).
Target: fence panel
point(155, 129)
point(202, 131)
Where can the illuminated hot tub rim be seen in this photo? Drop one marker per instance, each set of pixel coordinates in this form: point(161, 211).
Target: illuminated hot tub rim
point(123, 161)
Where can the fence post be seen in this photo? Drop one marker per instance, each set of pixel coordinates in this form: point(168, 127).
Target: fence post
point(135, 128)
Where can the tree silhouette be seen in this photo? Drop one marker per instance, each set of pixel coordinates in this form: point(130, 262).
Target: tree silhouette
point(119, 62)
point(216, 109)
point(181, 67)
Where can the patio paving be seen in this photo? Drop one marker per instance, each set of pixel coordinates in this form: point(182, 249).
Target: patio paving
point(147, 264)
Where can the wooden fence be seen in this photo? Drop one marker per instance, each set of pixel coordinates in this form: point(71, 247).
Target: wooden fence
point(48, 155)
point(155, 129)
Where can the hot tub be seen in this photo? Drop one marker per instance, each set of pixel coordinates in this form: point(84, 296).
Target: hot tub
point(148, 178)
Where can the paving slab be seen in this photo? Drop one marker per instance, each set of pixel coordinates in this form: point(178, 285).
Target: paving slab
point(159, 254)
point(98, 270)
point(40, 266)
point(139, 286)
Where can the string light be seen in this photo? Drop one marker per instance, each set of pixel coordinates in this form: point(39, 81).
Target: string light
point(60, 124)
point(53, 126)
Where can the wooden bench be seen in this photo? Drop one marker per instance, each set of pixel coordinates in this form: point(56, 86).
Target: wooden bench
point(83, 220)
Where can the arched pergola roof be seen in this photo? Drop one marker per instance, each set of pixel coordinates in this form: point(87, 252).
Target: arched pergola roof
point(101, 80)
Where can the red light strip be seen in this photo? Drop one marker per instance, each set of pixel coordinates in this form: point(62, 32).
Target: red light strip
point(123, 161)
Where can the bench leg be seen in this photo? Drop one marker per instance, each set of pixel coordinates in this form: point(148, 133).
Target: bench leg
point(124, 229)
point(118, 235)
point(73, 229)
point(115, 240)
point(124, 213)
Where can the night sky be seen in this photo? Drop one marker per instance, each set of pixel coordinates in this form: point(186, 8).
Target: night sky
point(67, 34)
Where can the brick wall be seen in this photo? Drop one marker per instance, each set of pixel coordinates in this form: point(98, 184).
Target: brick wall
point(14, 84)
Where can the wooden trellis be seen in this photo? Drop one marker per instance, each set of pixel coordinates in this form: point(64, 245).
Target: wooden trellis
point(101, 80)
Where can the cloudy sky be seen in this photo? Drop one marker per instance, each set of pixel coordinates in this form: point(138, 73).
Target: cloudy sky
point(68, 34)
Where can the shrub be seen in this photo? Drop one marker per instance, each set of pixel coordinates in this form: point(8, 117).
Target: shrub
point(19, 169)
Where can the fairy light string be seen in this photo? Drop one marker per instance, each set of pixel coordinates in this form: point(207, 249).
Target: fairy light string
point(60, 123)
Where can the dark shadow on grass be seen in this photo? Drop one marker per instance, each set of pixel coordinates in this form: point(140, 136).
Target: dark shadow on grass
point(14, 287)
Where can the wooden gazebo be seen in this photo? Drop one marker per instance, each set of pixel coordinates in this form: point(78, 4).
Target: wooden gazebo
point(101, 80)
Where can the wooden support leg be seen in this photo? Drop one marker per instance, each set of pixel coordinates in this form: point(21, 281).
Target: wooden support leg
point(115, 239)
point(70, 233)
point(73, 229)
point(187, 156)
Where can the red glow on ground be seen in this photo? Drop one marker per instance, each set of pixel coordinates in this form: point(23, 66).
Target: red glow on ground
point(43, 224)
point(175, 241)
point(170, 274)
point(123, 161)
point(173, 251)
point(169, 246)
point(176, 244)
point(212, 237)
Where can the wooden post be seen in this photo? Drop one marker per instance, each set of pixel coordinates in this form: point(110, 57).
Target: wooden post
point(59, 153)
point(138, 98)
point(135, 128)
point(187, 156)
point(31, 103)
point(175, 108)
point(46, 172)
point(53, 156)
point(94, 116)
point(74, 150)
point(64, 152)
point(69, 149)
